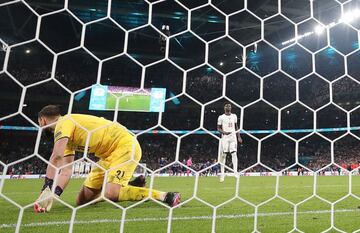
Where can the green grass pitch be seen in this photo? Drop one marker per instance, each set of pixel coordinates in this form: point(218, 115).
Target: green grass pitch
point(277, 215)
point(129, 102)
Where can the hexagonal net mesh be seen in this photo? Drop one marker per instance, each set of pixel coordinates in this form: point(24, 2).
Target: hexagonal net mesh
point(289, 68)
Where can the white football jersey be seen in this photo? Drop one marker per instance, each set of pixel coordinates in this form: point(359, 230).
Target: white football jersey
point(228, 122)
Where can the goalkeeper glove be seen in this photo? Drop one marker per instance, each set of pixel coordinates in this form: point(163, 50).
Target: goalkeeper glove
point(45, 200)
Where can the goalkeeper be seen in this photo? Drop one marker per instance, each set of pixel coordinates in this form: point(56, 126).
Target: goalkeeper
point(111, 142)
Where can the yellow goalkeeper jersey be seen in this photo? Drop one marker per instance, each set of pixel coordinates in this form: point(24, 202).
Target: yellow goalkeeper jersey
point(105, 136)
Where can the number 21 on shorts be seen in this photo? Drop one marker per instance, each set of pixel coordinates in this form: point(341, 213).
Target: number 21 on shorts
point(119, 174)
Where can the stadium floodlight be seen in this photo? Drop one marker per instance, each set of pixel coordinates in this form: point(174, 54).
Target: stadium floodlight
point(319, 29)
point(350, 16)
point(347, 17)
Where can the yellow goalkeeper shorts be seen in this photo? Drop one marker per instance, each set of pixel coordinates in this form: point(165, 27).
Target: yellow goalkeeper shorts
point(120, 165)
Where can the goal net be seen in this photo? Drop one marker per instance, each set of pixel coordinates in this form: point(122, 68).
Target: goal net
point(165, 69)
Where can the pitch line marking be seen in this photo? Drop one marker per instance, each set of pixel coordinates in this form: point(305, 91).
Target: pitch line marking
point(233, 216)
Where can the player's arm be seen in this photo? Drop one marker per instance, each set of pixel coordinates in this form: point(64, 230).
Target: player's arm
point(57, 159)
point(61, 154)
point(65, 172)
point(220, 129)
point(238, 134)
point(57, 156)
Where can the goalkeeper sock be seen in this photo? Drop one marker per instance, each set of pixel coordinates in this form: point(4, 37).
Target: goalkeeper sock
point(234, 161)
point(222, 163)
point(131, 193)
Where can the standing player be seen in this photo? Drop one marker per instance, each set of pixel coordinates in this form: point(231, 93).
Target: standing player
point(227, 126)
point(111, 142)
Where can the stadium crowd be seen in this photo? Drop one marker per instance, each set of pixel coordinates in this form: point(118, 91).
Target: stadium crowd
point(159, 152)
